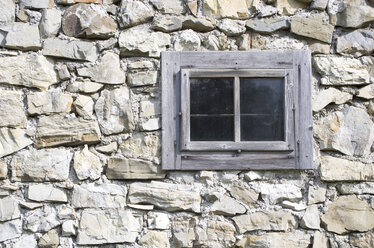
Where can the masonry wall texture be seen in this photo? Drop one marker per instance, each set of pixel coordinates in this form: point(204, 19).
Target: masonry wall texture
point(80, 127)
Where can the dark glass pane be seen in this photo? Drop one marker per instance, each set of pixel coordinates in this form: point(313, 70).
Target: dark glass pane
point(262, 109)
point(212, 128)
point(211, 96)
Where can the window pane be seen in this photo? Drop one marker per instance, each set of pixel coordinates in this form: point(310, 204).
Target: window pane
point(212, 128)
point(262, 109)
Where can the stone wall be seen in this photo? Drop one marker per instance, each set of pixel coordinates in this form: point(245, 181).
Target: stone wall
point(80, 126)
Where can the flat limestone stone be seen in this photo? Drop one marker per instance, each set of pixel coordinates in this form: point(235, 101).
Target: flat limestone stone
point(22, 36)
point(12, 140)
point(9, 209)
point(10, 229)
point(12, 112)
point(294, 239)
point(313, 26)
point(46, 193)
point(128, 168)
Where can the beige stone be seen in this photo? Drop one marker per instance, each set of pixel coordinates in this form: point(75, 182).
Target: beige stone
point(84, 106)
point(87, 165)
point(183, 230)
point(366, 92)
point(289, 7)
point(311, 218)
point(295, 239)
point(46, 193)
point(128, 168)
point(355, 14)
point(236, 9)
point(48, 102)
point(155, 239)
point(49, 240)
point(246, 195)
point(231, 27)
point(365, 240)
point(29, 70)
point(3, 170)
point(356, 188)
point(142, 78)
point(274, 193)
point(12, 140)
point(9, 209)
point(143, 145)
point(337, 169)
point(12, 112)
point(266, 220)
point(313, 26)
point(108, 149)
point(316, 194)
point(192, 6)
point(217, 234)
point(275, 42)
point(158, 220)
point(330, 95)
point(347, 214)
point(84, 87)
point(201, 24)
point(320, 240)
point(226, 205)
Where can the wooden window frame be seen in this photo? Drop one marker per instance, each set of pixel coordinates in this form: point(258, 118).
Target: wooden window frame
point(179, 153)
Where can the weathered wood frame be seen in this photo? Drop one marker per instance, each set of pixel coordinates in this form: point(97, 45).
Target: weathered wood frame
point(295, 153)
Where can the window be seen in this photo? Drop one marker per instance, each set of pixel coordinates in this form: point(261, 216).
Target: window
point(236, 110)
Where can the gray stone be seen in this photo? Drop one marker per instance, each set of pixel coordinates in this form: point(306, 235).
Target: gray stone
point(349, 132)
point(68, 228)
point(169, 6)
point(46, 193)
point(200, 24)
point(330, 95)
point(157, 220)
point(7, 11)
point(319, 240)
point(216, 233)
point(268, 25)
point(144, 145)
point(187, 40)
point(12, 113)
point(319, 4)
point(314, 26)
point(348, 213)
point(49, 240)
point(58, 130)
point(365, 240)
point(183, 230)
point(150, 108)
point(41, 220)
point(192, 6)
point(30, 205)
point(225, 205)
point(102, 227)
point(316, 194)
point(311, 218)
point(21, 36)
point(107, 70)
point(66, 212)
point(10, 229)
point(355, 14)
point(337, 169)
point(294, 239)
point(167, 23)
point(3, 170)
point(113, 111)
point(293, 205)
point(36, 4)
point(366, 92)
point(244, 42)
point(84, 87)
point(142, 78)
point(87, 165)
point(108, 149)
point(139, 42)
point(9, 209)
point(274, 193)
point(336, 70)
point(358, 189)
point(134, 13)
point(168, 196)
point(268, 220)
point(74, 49)
point(99, 196)
point(88, 21)
point(231, 27)
point(12, 140)
point(41, 165)
point(155, 239)
point(357, 43)
point(48, 102)
point(275, 42)
point(84, 106)
point(63, 72)
point(128, 168)
point(29, 70)
point(152, 124)
point(248, 196)
point(50, 23)
point(26, 240)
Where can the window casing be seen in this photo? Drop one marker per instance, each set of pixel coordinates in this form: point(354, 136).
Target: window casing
point(236, 110)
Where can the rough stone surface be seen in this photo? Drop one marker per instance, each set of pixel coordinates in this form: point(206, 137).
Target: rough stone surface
point(231, 28)
point(311, 218)
point(319, 4)
point(348, 213)
point(88, 21)
point(265, 220)
point(107, 70)
point(319, 240)
point(152, 124)
point(68, 228)
point(3, 170)
point(355, 14)
point(11, 109)
point(134, 13)
point(84, 87)
point(49, 240)
point(29, 70)
point(366, 92)
point(87, 165)
point(158, 221)
point(9, 209)
point(26, 240)
point(350, 132)
point(127, 168)
point(187, 40)
point(41, 165)
point(99, 196)
point(108, 149)
point(50, 23)
point(184, 231)
point(155, 239)
point(167, 24)
point(268, 25)
point(236, 9)
point(142, 78)
point(216, 234)
point(289, 7)
point(171, 197)
point(48, 103)
point(365, 240)
point(10, 229)
point(12, 140)
point(330, 95)
point(198, 24)
point(21, 36)
point(74, 49)
point(313, 26)
point(41, 219)
point(358, 189)
point(36, 4)
point(7, 11)
point(139, 42)
point(101, 227)
point(169, 6)
point(316, 194)
point(84, 106)
point(274, 193)
point(226, 205)
point(357, 43)
point(280, 240)
point(58, 130)
point(337, 169)
point(262, 42)
point(113, 111)
point(46, 193)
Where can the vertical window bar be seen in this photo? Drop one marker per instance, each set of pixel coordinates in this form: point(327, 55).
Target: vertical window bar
point(237, 108)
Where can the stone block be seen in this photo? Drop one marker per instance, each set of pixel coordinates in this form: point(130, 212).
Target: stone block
point(129, 168)
point(87, 165)
point(314, 26)
point(7, 11)
point(225, 205)
point(22, 36)
point(155, 239)
point(12, 140)
point(358, 42)
point(294, 239)
point(330, 95)
point(10, 229)
point(46, 193)
point(12, 112)
point(9, 209)
point(133, 13)
point(50, 102)
point(41, 220)
point(268, 25)
point(355, 13)
point(36, 4)
point(50, 23)
point(175, 7)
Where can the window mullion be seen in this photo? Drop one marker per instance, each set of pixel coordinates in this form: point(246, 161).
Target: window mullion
point(237, 108)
